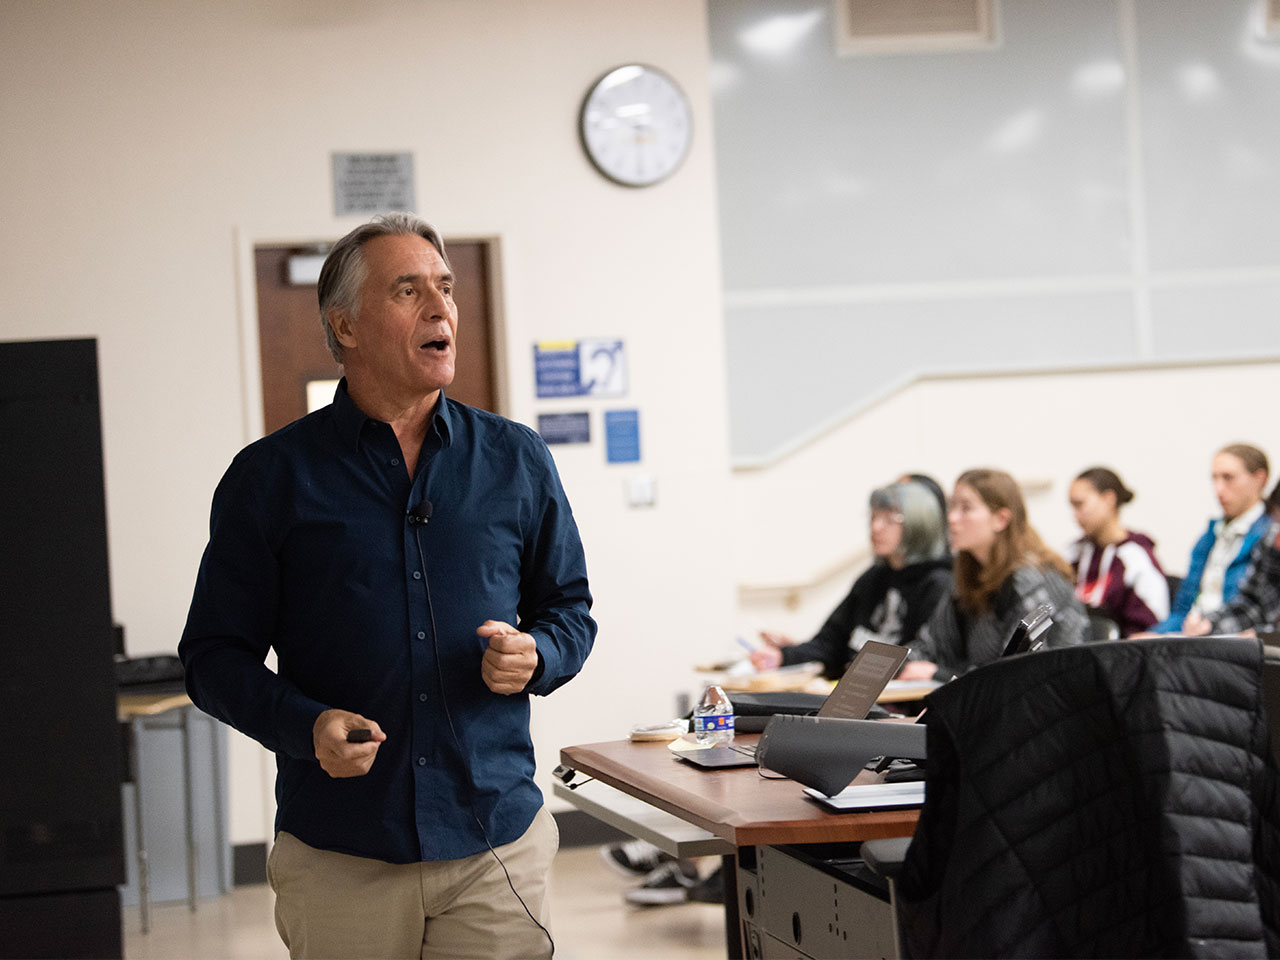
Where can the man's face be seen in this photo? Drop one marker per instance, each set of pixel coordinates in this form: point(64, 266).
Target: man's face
point(405, 337)
point(1236, 488)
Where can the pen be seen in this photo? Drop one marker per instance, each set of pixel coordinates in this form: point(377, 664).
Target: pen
point(745, 646)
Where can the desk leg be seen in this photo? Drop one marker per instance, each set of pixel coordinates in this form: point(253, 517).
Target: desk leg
point(219, 828)
point(187, 791)
point(144, 880)
point(732, 922)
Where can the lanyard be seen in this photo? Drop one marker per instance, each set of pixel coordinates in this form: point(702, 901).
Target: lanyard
point(1093, 597)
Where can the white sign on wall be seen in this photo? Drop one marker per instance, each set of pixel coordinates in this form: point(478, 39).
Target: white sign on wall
point(372, 182)
point(580, 368)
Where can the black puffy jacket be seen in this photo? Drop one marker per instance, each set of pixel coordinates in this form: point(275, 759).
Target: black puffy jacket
point(1109, 800)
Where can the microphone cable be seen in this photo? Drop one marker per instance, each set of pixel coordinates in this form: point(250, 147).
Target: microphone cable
point(418, 521)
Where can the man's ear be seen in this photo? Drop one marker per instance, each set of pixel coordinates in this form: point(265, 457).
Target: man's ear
point(343, 328)
point(1001, 519)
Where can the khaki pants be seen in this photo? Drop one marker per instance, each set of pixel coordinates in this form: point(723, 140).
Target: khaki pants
point(336, 905)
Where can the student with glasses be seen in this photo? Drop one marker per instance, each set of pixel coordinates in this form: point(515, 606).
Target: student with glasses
point(891, 600)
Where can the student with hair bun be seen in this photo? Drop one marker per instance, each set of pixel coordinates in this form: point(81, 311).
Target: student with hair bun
point(1116, 569)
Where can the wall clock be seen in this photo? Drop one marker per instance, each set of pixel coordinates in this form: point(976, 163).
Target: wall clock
point(636, 125)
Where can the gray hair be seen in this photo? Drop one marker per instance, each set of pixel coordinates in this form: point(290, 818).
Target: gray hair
point(924, 528)
point(345, 269)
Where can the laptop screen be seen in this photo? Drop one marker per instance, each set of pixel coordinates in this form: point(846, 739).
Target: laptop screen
point(870, 672)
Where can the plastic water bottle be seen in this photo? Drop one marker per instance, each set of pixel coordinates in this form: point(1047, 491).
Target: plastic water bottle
point(713, 717)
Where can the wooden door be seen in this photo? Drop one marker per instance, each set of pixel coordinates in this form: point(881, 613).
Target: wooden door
point(292, 346)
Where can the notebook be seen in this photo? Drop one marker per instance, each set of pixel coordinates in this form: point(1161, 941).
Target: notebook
point(852, 699)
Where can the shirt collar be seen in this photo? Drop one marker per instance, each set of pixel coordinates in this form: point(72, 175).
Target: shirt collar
point(442, 422)
point(350, 419)
point(1241, 524)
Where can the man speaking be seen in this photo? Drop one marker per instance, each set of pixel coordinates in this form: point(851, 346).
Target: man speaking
point(415, 565)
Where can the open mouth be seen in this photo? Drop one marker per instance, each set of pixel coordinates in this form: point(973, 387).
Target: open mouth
point(440, 345)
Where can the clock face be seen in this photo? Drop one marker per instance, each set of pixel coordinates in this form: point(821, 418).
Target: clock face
point(636, 125)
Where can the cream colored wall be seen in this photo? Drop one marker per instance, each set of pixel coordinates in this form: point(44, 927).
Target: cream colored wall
point(1158, 426)
point(149, 146)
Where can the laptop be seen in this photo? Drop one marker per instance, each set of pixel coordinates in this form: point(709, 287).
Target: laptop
point(852, 699)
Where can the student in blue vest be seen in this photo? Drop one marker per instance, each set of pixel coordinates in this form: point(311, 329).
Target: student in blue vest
point(1220, 558)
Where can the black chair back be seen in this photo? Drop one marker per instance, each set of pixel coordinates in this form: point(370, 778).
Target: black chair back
point(1075, 805)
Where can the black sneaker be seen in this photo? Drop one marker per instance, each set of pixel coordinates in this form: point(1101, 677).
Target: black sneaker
point(668, 884)
point(633, 858)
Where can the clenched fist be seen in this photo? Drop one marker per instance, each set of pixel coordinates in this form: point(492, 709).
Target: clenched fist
point(512, 657)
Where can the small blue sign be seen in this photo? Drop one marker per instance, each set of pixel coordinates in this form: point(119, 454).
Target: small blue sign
point(565, 427)
point(622, 435)
point(556, 370)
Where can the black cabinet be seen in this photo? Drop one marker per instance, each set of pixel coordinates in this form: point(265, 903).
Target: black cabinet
point(61, 846)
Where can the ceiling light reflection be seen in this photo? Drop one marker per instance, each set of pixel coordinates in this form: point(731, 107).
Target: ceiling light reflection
point(1097, 79)
point(776, 35)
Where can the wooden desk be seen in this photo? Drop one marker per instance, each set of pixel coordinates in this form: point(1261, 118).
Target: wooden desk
point(738, 806)
point(805, 678)
point(130, 705)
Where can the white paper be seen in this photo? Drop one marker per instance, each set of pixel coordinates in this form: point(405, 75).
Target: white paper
point(873, 796)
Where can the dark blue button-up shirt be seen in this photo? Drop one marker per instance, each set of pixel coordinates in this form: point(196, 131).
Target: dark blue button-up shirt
point(311, 553)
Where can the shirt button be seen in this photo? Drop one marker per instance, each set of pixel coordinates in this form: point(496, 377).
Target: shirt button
point(395, 461)
point(422, 761)
point(422, 698)
point(421, 635)
point(417, 575)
